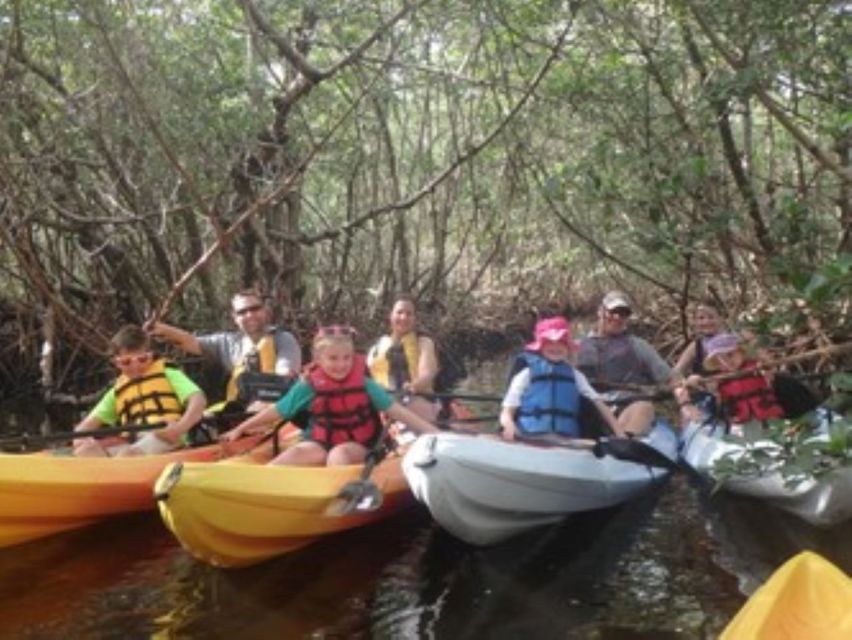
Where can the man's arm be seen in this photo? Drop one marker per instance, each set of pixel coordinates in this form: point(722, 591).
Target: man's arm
point(585, 359)
point(183, 340)
point(685, 363)
point(288, 354)
point(420, 425)
point(658, 368)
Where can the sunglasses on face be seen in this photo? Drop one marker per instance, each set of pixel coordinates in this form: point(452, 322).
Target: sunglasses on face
point(250, 309)
point(621, 312)
point(335, 330)
point(126, 361)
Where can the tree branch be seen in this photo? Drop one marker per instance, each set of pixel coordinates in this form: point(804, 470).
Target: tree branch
point(361, 221)
point(824, 158)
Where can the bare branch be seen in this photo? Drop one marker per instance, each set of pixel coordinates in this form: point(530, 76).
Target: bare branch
point(361, 221)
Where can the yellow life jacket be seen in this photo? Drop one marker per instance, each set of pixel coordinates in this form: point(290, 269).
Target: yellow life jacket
point(147, 399)
point(380, 359)
point(265, 349)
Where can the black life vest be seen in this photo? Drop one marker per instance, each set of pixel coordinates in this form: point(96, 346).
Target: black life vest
point(698, 361)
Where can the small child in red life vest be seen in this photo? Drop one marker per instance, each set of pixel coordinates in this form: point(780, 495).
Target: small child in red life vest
point(749, 396)
point(343, 403)
point(147, 391)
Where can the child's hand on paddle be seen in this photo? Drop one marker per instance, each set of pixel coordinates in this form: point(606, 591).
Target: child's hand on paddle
point(232, 435)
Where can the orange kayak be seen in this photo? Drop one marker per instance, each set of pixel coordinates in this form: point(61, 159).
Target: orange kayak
point(42, 493)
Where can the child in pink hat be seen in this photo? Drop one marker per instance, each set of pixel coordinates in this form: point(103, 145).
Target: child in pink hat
point(543, 397)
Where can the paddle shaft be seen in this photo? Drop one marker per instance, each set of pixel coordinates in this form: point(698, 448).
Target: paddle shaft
point(628, 449)
point(562, 443)
point(469, 397)
point(353, 493)
point(102, 432)
point(658, 395)
point(832, 350)
point(375, 454)
point(471, 420)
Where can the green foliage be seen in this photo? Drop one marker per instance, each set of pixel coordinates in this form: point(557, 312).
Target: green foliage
point(794, 449)
point(830, 282)
point(622, 134)
point(841, 392)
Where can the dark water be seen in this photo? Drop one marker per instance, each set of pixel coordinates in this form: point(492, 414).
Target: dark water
point(674, 564)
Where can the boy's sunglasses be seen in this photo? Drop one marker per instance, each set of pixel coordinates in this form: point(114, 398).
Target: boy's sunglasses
point(126, 361)
point(250, 309)
point(335, 330)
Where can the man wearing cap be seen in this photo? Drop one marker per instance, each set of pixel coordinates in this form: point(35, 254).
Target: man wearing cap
point(611, 355)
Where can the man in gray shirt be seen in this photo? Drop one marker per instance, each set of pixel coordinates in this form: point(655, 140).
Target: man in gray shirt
point(612, 355)
point(257, 346)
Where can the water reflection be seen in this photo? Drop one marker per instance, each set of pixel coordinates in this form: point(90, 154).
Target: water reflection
point(48, 583)
point(753, 539)
point(576, 580)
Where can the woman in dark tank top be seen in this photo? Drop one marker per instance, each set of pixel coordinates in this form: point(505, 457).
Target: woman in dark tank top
point(706, 322)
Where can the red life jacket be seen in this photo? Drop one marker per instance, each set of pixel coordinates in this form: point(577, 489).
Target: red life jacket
point(750, 397)
point(341, 410)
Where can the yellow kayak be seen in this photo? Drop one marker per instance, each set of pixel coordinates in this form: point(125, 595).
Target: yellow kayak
point(42, 493)
point(242, 512)
point(808, 598)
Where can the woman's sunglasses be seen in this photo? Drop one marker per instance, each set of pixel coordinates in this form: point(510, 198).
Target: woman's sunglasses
point(126, 361)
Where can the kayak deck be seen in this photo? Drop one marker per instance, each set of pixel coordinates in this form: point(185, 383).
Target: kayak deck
point(808, 598)
point(241, 512)
point(485, 490)
point(42, 494)
point(823, 502)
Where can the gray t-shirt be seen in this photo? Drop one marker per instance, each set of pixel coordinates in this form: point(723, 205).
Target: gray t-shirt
point(624, 358)
point(228, 348)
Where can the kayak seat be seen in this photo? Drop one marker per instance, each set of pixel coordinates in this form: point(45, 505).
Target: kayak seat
point(793, 395)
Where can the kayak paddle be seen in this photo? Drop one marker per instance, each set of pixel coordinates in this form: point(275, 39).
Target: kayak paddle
point(25, 439)
point(361, 494)
point(627, 449)
point(633, 450)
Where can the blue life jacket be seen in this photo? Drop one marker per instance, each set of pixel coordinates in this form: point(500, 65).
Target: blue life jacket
point(551, 403)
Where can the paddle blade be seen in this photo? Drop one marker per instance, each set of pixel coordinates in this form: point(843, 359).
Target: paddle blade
point(360, 496)
point(632, 450)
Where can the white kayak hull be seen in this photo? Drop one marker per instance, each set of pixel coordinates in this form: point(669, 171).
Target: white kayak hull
point(484, 490)
point(822, 502)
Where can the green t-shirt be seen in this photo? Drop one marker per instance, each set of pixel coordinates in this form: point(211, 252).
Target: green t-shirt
point(301, 394)
point(181, 384)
